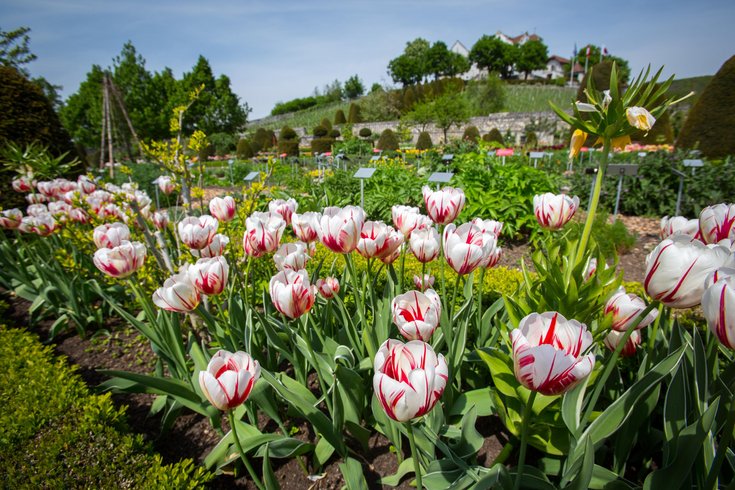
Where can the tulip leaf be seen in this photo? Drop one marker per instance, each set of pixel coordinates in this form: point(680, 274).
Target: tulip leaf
point(269, 477)
point(628, 433)
point(675, 412)
point(323, 452)
point(285, 447)
point(353, 474)
point(571, 405)
point(480, 399)
point(404, 469)
point(470, 440)
point(583, 478)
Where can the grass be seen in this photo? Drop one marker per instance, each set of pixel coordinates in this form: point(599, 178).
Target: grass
point(308, 118)
point(533, 98)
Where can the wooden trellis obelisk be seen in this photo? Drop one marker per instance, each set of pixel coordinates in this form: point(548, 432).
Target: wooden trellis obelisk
point(110, 91)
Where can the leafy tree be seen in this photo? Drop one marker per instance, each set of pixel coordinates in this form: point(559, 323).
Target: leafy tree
point(365, 132)
point(375, 87)
point(14, 50)
point(492, 54)
point(288, 142)
point(494, 136)
point(471, 133)
point(388, 141)
point(411, 66)
point(450, 110)
point(487, 96)
point(353, 87)
point(595, 57)
point(458, 65)
point(319, 131)
point(421, 116)
point(244, 150)
point(82, 114)
point(438, 59)
point(532, 55)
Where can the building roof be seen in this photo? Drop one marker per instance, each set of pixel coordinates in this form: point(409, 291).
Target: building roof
point(519, 39)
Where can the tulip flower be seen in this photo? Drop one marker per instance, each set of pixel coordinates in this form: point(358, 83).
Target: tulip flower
point(640, 118)
point(489, 226)
point(443, 206)
point(378, 240)
point(613, 338)
point(36, 198)
point(717, 223)
point(407, 218)
point(110, 235)
point(85, 185)
point(48, 188)
point(222, 208)
point(41, 225)
point(305, 226)
point(37, 209)
point(263, 232)
point(161, 219)
point(416, 315)
point(554, 211)
point(229, 379)
point(120, 260)
point(409, 378)
point(422, 284)
point(678, 225)
point(284, 208)
point(166, 184)
point(577, 142)
point(424, 244)
point(10, 219)
point(677, 267)
point(718, 305)
point(339, 228)
point(291, 293)
point(209, 275)
point(625, 309)
point(467, 247)
point(79, 215)
point(548, 353)
point(590, 269)
point(23, 184)
point(178, 293)
point(328, 287)
point(215, 248)
point(197, 232)
point(291, 256)
point(493, 258)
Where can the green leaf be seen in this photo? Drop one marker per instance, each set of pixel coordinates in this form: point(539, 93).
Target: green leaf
point(481, 399)
point(323, 452)
point(286, 447)
point(269, 478)
point(571, 406)
point(583, 478)
point(404, 469)
point(352, 472)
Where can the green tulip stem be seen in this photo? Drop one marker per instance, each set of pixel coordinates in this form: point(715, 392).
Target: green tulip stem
point(414, 454)
point(654, 333)
point(610, 364)
point(403, 268)
point(315, 362)
point(525, 422)
point(607, 142)
point(479, 301)
point(243, 457)
point(722, 448)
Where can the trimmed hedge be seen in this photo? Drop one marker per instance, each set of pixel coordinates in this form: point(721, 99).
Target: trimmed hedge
point(58, 435)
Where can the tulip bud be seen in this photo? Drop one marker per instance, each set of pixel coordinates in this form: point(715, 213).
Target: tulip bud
point(110, 235)
point(407, 218)
point(718, 305)
point(378, 240)
point(291, 293)
point(422, 284)
point(291, 256)
point(41, 225)
point(177, 293)
point(10, 219)
point(229, 379)
point(284, 208)
point(23, 184)
point(613, 338)
point(678, 225)
point(466, 248)
point(717, 223)
point(165, 183)
point(37, 209)
point(548, 353)
point(416, 315)
point(443, 206)
point(625, 309)
point(209, 275)
point(306, 226)
point(263, 233)
point(120, 260)
point(160, 219)
point(222, 208)
point(197, 232)
point(339, 229)
point(409, 378)
point(328, 287)
point(85, 185)
point(424, 244)
point(554, 211)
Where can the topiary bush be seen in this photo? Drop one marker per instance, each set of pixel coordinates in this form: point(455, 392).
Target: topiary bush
point(319, 131)
point(339, 117)
point(264, 138)
point(244, 149)
point(365, 133)
point(471, 133)
point(388, 141)
point(424, 141)
point(288, 142)
point(326, 123)
point(531, 139)
point(335, 133)
point(321, 145)
point(494, 136)
point(711, 121)
point(354, 115)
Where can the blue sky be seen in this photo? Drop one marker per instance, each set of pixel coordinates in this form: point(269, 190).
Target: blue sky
point(277, 50)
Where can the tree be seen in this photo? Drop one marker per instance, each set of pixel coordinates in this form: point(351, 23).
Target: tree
point(14, 50)
point(438, 59)
point(353, 87)
point(82, 114)
point(487, 96)
point(532, 55)
point(354, 115)
point(388, 141)
point(421, 116)
point(411, 66)
point(424, 141)
point(339, 117)
point(596, 57)
point(492, 54)
point(450, 110)
point(458, 65)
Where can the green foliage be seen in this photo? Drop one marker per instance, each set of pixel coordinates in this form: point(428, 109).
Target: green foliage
point(421, 116)
point(293, 105)
point(339, 117)
point(321, 144)
point(531, 139)
point(487, 96)
point(354, 114)
point(244, 150)
point(57, 435)
point(388, 141)
point(224, 143)
point(595, 57)
point(471, 133)
point(353, 88)
point(709, 124)
point(264, 138)
point(494, 55)
point(494, 136)
point(612, 239)
point(532, 55)
point(424, 141)
point(14, 50)
point(450, 110)
point(288, 142)
point(411, 66)
point(335, 133)
point(365, 132)
point(320, 131)
point(326, 123)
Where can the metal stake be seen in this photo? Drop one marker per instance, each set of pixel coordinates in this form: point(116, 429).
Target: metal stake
point(678, 196)
point(617, 198)
point(362, 193)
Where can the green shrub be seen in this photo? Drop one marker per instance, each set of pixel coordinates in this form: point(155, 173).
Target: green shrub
point(388, 141)
point(531, 139)
point(335, 133)
point(709, 124)
point(288, 142)
point(319, 131)
point(244, 149)
point(339, 117)
point(264, 138)
point(354, 115)
point(494, 136)
point(424, 141)
point(471, 133)
point(223, 143)
point(326, 123)
point(365, 132)
point(57, 435)
point(293, 105)
point(321, 145)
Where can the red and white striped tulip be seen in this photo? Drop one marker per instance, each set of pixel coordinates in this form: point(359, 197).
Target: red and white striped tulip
point(10, 219)
point(590, 269)
point(416, 315)
point(466, 248)
point(120, 260)
point(378, 240)
point(160, 219)
point(625, 309)
point(223, 208)
point(408, 218)
point(36, 198)
point(443, 206)
point(425, 244)
point(493, 258)
point(285, 208)
point(23, 184)
point(292, 255)
point(717, 223)
point(409, 378)
point(229, 379)
point(339, 228)
point(613, 338)
point(306, 226)
point(263, 233)
point(37, 209)
point(165, 184)
point(110, 235)
point(48, 188)
point(215, 248)
point(678, 225)
point(422, 284)
point(548, 353)
point(677, 267)
point(197, 232)
point(291, 293)
point(489, 226)
point(178, 293)
point(553, 211)
point(85, 185)
point(209, 275)
point(718, 305)
point(79, 215)
point(41, 225)
point(328, 287)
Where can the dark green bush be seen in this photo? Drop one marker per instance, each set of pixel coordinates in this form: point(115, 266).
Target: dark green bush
point(424, 141)
point(388, 141)
point(326, 123)
point(531, 139)
point(288, 142)
point(319, 131)
point(494, 136)
point(365, 132)
point(293, 105)
point(354, 114)
point(321, 145)
point(471, 133)
point(709, 126)
point(244, 150)
point(335, 133)
point(264, 138)
point(223, 143)
point(339, 117)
